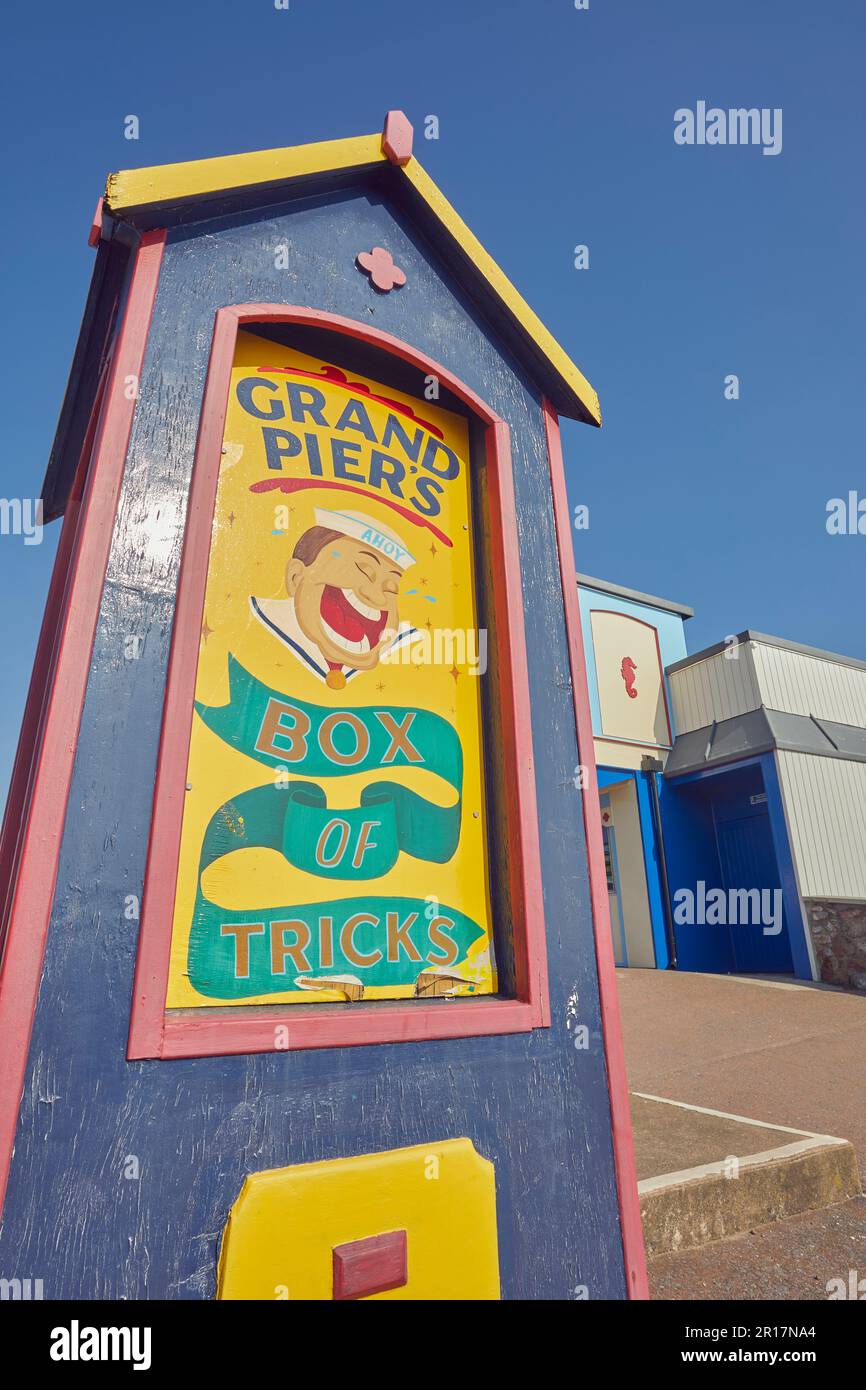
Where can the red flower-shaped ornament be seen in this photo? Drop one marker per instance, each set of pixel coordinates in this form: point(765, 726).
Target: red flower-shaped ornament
point(381, 268)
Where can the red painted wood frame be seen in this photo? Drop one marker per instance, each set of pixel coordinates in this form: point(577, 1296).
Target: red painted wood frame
point(617, 1081)
point(157, 1032)
point(33, 827)
point(635, 742)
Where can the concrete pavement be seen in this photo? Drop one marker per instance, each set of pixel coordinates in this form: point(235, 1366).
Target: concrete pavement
point(797, 1258)
point(785, 1054)
point(780, 1053)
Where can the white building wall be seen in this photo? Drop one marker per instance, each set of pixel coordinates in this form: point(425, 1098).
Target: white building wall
point(825, 801)
point(717, 688)
point(724, 685)
point(799, 684)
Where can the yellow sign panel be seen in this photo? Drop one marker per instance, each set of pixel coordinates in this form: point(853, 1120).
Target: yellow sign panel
point(334, 838)
point(286, 1224)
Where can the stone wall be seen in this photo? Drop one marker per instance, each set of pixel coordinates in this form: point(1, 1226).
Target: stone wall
point(839, 938)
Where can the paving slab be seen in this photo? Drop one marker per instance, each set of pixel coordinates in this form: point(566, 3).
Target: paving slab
point(782, 1052)
point(669, 1137)
point(809, 1257)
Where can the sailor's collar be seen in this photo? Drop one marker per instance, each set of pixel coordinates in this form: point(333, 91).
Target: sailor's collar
point(280, 618)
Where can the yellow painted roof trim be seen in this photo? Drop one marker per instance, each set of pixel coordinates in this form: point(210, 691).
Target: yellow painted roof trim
point(195, 178)
point(500, 282)
point(170, 183)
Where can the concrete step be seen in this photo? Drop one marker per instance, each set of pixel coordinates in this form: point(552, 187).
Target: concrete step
point(704, 1175)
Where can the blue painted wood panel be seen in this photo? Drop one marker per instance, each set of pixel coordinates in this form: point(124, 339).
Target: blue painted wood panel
point(532, 1103)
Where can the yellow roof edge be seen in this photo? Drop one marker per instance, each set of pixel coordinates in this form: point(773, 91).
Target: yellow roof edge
point(171, 183)
point(195, 178)
point(500, 283)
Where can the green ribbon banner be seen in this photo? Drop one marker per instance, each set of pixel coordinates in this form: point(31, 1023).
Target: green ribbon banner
point(323, 742)
point(378, 941)
point(374, 941)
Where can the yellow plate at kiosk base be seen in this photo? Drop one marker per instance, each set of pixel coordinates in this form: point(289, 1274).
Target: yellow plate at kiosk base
point(310, 1231)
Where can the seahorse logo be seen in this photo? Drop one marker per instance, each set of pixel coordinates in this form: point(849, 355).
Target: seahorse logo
point(627, 671)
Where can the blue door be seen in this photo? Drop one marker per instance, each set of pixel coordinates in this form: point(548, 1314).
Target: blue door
point(748, 860)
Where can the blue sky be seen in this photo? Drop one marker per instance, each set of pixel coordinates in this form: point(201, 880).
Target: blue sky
point(556, 129)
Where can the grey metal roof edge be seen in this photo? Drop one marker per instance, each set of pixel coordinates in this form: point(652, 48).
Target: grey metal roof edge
point(604, 586)
point(729, 760)
point(805, 735)
point(751, 636)
point(846, 741)
point(711, 745)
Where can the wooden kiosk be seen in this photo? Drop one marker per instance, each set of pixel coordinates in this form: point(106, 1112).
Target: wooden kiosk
point(307, 987)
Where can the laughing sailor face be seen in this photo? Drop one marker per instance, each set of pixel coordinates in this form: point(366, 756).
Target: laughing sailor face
point(345, 589)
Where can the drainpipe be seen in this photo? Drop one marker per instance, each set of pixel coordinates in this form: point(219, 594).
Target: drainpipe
point(654, 767)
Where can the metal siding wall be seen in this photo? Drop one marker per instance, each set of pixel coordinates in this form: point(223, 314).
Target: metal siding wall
point(800, 684)
point(717, 688)
point(825, 800)
point(532, 1103)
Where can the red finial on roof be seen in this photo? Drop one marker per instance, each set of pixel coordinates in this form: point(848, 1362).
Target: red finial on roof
point(96, 226)
point(397, 138)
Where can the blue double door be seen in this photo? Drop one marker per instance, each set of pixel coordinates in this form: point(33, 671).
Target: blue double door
point(747, 858)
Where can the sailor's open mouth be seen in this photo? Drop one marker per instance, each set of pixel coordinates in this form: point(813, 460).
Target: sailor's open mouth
point(349, 622)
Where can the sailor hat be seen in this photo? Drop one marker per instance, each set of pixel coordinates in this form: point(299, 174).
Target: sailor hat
point(372, 533)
